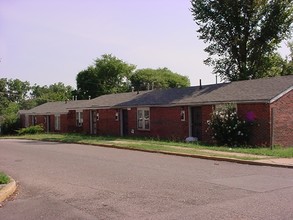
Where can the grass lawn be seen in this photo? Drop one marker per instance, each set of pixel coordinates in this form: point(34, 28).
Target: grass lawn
point(165, 146)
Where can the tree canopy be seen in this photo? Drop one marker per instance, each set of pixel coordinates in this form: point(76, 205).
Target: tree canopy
point(108, 75)
point(16, 94)
point(243, 35)
point(144, 79)
point(55, 92)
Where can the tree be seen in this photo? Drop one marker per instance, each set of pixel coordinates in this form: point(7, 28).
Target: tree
point(108, 75)
point(288, 63)
point(17, 90)
point(55, 92)
point(242, 34)
point(3, 95)
point(144, 79)
point(9, 120)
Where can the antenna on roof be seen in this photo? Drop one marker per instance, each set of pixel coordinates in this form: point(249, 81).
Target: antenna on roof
point(216, 78)
point(200, 86)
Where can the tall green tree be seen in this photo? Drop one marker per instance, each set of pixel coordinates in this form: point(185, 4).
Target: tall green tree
point(17, 90)
point(55, 92)
point(288, 65)
point(144, 79)
point(108, 75)
point(242, 34)
point(3, 95)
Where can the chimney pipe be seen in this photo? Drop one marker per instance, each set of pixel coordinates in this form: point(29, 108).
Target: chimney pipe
point(200, 86)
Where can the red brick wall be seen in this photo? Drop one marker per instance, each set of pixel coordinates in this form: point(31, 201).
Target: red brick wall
point(283, 120)
point(63, 123)
point(41, 121)
point(71, 121)
point(206, 112)
point(107, 125)
point(165, 123)
point(261, 128)
point(86, 121)
point(22, 120)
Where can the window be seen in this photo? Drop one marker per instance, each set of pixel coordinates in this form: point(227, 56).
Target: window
point(117, 116)
point(57, 122)
point(143, 119)
point(182, 114)
point(79, 119)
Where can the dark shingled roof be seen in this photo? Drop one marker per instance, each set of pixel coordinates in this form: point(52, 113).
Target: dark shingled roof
point(55, 107)
point(263, 90)
point(258, 90)
point(110, 100)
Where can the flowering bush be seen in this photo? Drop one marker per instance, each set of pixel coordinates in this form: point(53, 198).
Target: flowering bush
point(227, 128)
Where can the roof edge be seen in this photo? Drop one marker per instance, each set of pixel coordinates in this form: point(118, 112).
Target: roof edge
point(281, 94)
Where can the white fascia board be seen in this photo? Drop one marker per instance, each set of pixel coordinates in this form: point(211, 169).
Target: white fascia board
point(281, 94)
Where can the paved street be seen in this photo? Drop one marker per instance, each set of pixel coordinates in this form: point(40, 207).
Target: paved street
point(68, 181)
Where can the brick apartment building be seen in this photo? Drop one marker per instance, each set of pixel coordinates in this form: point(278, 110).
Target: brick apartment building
point(176, 113)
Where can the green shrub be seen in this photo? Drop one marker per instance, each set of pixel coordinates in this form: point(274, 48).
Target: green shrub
point(4, 179)
point(36, 129)
point(227, 128)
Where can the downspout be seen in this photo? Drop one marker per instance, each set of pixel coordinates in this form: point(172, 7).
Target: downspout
point(121, 121)
point(91, 121)
point(189, 121)
point(272, 127)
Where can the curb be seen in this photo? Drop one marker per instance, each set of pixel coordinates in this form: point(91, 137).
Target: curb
point(7, 190)
point(225, 159)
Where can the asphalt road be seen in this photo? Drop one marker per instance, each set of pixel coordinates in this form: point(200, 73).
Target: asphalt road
point(67, 181)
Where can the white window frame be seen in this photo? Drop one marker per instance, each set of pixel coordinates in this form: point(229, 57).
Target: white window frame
point(143, 119)
point(57, 123)
point(79, 119)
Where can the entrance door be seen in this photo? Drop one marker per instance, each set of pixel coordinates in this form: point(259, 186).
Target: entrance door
point(94, 122)
point(196, 124)
point(125, 122)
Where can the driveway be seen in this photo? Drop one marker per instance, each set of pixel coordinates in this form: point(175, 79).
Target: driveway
point(70, 181)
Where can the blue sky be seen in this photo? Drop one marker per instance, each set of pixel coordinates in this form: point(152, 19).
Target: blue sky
point(45, 42)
